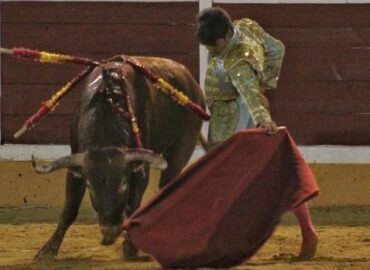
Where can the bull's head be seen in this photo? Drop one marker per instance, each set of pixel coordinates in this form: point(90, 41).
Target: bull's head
point(106, 172)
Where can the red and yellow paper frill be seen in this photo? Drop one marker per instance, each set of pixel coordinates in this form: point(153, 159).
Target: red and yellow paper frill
point(50, 104)
point(46, 57)
point(176, 94)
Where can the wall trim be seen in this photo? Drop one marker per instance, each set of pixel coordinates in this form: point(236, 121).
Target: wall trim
point(323, 154)
point(291, 1)
point(216, 1)
point(128, 1)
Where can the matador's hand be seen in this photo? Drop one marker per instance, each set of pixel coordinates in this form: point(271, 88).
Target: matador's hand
point(270, 126)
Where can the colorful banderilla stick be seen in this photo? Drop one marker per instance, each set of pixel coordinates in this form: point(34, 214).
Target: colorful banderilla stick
point(47, 57)
point(49, 105)
point(177, 95)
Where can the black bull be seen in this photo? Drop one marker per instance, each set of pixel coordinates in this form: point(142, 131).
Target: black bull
point(116, 177)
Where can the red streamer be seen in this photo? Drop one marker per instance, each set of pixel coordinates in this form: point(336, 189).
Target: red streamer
point(44, 109)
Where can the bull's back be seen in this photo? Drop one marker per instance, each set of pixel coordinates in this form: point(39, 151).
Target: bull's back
point(161, 120)
point(176, 73)
point(168, 120)
point(94, 123)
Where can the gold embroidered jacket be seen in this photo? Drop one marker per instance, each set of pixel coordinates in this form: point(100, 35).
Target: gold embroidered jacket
point(250, 62)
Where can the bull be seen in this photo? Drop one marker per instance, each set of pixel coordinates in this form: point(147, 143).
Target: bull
point(105, 159)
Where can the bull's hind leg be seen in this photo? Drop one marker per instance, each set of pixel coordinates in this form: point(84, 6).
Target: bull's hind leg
point(138, 184)
point(75, 189)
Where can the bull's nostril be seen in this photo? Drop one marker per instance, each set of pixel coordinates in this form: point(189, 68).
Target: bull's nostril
point(110, 234)
point(107, 241)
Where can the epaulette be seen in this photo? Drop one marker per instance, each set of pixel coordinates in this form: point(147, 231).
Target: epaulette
point(247, 25)
point(248, 50)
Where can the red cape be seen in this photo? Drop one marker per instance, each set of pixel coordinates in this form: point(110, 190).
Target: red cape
point(221, 210)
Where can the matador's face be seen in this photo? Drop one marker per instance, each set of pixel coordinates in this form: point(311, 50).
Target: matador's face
point(218, 48)
point(220, 44)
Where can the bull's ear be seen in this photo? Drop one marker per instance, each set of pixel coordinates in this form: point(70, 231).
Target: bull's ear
point(75, 160)
point(147, 156)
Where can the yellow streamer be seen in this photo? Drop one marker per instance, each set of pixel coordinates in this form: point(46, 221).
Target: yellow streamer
point(55, 98)
point(54, 57)
point(179, 96)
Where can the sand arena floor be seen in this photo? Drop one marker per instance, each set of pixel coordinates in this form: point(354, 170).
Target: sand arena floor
point(340, 247)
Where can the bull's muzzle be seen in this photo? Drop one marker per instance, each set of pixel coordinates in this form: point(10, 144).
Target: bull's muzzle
point(110, 234)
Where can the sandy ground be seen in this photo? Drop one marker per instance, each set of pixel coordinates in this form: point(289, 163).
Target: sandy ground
point(341, 247)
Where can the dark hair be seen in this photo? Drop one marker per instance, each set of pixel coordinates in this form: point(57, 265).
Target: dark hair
point(212, 23)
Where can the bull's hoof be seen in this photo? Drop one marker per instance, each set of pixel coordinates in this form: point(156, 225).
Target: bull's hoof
point(44, 255)
point(137, 258)
point(130, 252)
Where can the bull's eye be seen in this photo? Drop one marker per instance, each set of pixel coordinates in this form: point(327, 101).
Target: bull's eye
point(115, 76)
point(75, 174)
point(122, 189)
point(88, 184)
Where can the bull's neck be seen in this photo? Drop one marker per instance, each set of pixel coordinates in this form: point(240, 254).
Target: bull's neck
point(104, 127)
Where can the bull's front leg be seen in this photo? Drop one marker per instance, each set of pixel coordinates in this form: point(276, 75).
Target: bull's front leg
point(75, 189)
point(138, 184)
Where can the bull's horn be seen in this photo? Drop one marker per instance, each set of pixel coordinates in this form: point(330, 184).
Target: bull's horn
point(146, 155)
point(63, 162)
